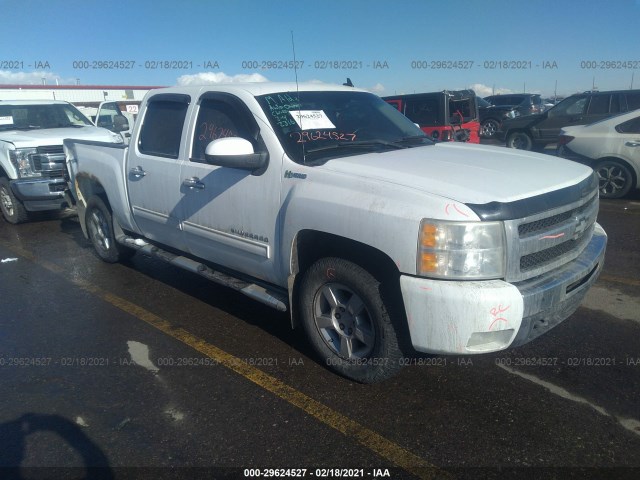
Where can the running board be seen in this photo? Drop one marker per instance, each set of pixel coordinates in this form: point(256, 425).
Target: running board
point(271, 298)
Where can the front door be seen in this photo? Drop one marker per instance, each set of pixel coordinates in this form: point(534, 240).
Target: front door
point(230, 215)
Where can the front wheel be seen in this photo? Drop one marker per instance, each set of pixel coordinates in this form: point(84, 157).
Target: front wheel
point(519, 140)
point(615, 179)
point(100, 229)
point(347, 322)
point(12, 209)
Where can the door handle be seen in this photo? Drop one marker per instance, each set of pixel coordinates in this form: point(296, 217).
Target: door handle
point(635, 143)
point(137, 171)
point(193, 182)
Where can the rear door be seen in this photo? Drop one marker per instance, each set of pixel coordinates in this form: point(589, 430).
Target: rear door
point(629, 146)
point(153, 169)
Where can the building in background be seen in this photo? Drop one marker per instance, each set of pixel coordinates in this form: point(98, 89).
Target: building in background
point(79, 95)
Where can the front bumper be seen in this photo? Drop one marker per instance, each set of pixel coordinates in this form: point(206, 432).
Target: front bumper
point(38, 194)
point(468, 317)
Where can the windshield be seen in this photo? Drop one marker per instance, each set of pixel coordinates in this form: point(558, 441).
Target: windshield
point(30, 117)
point(316, 126)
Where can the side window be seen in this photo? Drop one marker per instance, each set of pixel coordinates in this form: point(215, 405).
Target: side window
point(216, 119)
point(570, 106)
point(108, 113)
point(424, 112)
point(599, 104)
point(615, 104)
point(633, 101)
point(630, 126)
point(162, 128)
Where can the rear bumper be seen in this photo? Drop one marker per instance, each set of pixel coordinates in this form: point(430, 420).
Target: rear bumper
point(453, 317)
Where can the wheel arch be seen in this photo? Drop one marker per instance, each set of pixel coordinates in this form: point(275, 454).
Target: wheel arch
point(311, 245)
point(626, 163)
point(87, 186)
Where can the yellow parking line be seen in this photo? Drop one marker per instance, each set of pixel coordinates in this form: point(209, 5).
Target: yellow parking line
point(377, 443)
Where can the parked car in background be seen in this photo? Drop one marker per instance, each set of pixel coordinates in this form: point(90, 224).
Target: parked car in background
point(450, 115)
point(611, 147)
point(112, 116)
point(536, 131)
point(32, 161)
point(525, 103)
point(491, 117)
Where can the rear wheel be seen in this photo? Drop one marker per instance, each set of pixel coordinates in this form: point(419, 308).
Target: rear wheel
point(616, 179)
point(489, 127)
point(519, 140)
point(347, 322)
point(12, 209)
point(100, 229)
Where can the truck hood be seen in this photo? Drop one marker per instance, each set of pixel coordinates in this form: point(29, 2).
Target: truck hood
point(466, 173)
point(55, 136)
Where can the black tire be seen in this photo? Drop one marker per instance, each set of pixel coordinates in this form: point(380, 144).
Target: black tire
point(99, 223)
point(489, 127)
point(520, 141)
point(355, 337)
point(616, 179)
point(12, 209)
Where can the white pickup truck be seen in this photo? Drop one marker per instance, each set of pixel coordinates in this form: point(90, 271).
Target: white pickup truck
point(32, 162)
point(328, 202)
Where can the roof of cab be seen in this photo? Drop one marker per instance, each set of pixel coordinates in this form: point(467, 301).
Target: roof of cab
point(255, 88)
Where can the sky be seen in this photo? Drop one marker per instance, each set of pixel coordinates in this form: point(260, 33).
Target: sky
point(386, 46)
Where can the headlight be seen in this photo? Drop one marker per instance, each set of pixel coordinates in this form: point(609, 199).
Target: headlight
point(461, 250)
point(22, 163)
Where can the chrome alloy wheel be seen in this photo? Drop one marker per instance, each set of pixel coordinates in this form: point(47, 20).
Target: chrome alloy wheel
point(615, 179)
point(7, 203)
point(99, 230)
point(343, 321)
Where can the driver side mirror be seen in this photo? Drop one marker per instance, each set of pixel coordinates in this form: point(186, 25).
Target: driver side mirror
point(235, 152)
point(120, 123)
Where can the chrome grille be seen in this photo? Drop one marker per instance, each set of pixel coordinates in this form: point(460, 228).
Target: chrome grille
point(537, 259)
point(539, 243)
point(49, 160)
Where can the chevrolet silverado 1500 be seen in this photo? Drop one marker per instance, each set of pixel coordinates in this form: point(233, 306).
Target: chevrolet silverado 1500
point(327, 202)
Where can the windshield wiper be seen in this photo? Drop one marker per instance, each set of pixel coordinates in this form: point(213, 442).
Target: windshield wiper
point(416, 137)
point(357, 144)
point(21, 127)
